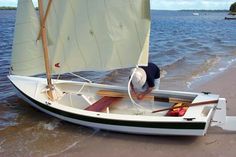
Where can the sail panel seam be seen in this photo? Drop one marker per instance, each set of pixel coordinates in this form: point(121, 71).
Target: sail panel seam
point(94, 35)
point(117, 51)
point(76, 39)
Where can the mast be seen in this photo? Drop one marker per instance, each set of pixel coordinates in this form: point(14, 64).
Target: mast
point(43, 33)
point(45, 18)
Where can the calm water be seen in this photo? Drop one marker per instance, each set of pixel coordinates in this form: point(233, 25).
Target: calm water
point(187, 48)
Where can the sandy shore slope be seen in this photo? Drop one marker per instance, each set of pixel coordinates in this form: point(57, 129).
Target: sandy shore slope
point(217, 143)
point(80, 141)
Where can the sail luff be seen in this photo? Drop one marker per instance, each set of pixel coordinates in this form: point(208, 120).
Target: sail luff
point(45, 49)
point(27, 53)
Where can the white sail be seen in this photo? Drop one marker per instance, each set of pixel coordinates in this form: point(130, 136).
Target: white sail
point(97, 34)
point(83, 35)
point(27, 54)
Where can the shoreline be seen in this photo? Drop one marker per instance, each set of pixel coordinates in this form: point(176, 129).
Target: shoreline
point(28, 128)
point(190, 10)
point(223, 84)
point(7, 8)
point(211, 75)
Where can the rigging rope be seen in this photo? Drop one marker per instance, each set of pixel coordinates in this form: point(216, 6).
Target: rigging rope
point(129, 93)
point(80, 90)
point(83, 78)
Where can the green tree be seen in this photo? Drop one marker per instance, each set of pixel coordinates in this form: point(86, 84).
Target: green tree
point(233, 9)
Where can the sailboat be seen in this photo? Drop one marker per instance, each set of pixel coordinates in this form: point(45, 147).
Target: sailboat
point(68, 36)
point(196, 14)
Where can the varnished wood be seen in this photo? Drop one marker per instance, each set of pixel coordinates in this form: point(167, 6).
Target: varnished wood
point(147, 97)
point(103, 103)
point(45, 18)
point(45, 49)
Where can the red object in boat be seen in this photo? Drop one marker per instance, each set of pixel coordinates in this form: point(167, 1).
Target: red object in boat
point(103, 103)
point(177, 112)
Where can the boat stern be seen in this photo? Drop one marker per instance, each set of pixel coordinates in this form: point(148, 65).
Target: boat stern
point(220, 118)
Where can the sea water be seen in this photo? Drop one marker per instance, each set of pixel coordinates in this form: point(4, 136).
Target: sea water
point(187, 49)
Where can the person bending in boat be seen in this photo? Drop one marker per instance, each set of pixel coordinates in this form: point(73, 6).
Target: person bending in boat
point(145, 79)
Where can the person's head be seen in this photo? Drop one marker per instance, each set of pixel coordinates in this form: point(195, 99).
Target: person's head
point(139, 77)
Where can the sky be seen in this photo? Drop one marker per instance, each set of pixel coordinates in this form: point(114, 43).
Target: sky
point(168, 4)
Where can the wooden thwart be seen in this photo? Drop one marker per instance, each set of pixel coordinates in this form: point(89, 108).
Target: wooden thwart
point(102, 104)
point(147, 97)
point(120, 94)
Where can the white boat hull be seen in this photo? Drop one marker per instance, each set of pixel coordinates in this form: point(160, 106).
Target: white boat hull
point(193, 123)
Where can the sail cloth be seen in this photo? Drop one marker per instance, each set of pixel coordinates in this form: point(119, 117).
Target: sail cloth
point(96, 35)
point(27, 53)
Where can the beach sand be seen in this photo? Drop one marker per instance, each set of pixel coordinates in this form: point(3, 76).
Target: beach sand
point(91, 143)
point(86, 142)
point(216, 143)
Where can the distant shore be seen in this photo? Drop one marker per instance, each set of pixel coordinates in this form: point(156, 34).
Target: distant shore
point(14, 8)
point(11, 8)
point(206, 10)
point(7, 8)
point(232, 13)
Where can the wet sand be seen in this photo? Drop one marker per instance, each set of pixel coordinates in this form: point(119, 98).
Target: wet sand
point(39, 139)
point(216, 143)
point(183, 55)
point(38, 134)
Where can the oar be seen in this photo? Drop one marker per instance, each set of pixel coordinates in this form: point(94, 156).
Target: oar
point(188, 105)
point(147, 97)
